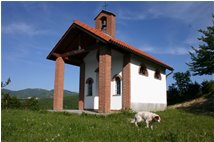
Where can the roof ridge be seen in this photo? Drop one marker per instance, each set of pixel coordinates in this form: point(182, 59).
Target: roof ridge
point(116, 41)
point(93, 30)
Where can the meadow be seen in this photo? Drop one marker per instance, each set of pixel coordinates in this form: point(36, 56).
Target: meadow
point(40, 126)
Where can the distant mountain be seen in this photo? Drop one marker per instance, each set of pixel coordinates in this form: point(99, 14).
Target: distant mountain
point(40, 93)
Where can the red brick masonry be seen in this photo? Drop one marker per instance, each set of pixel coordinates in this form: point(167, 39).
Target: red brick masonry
point(59, 84)
point(104, 79)
point(82, 86)
point(126, 82)
point(110, 23)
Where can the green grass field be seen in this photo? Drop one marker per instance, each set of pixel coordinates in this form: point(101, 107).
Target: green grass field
point(175, 126)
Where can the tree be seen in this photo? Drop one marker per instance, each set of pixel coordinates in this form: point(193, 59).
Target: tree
point(5, 101)
point(9, 101)
point(3, 84)
point(194, 90)
point(6, 96)
point(208, 87)
point(182, 82)
point(203, 57)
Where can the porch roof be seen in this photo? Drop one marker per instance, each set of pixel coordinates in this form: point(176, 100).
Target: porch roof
point(93, 36)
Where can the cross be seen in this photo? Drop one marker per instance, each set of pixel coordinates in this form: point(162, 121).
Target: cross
point(105, 5)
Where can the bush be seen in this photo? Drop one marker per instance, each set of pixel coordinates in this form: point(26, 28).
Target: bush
point(5, 101)
point(10, 102)
point(32, 104)
point(15, 103)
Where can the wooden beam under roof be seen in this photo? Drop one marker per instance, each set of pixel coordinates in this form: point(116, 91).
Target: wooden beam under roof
point(79, 51)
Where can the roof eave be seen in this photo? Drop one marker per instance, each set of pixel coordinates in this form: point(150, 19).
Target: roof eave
point(58, 43)
point(75, 24)
point(105, 39)
point(136, 53)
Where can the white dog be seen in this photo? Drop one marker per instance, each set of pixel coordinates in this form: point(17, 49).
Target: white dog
point(148, 117)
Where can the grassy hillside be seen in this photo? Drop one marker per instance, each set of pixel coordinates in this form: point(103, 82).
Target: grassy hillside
point(203, 105)
point(176, 125)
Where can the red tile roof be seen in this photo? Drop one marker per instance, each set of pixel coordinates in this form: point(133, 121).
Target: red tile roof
point(119, 43)
point(93, 30)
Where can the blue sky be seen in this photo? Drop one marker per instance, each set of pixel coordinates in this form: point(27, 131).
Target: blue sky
point(29, 31)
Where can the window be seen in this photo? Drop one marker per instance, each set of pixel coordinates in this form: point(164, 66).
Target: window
point(117, 83)
point(89, 83)
point(103, 24)
point(157, 74)
point(143, 70)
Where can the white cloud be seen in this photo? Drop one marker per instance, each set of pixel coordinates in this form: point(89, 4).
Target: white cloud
point(22, 29)
point(188, 12)
point(127, 15)
point(177, 51)
point(195, 15)
point(167, 51)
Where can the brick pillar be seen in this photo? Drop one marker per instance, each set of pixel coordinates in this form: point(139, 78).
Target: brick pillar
point(59, 84)
point(126, 100)
point(104, 79)
point(81, 86)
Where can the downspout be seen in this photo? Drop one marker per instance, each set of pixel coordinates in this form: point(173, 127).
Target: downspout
point(169, 73)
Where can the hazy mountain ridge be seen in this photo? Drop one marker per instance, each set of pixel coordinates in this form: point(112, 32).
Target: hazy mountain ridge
point(36, 92)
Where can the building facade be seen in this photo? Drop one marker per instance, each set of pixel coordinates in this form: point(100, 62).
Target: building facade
point(113, 74)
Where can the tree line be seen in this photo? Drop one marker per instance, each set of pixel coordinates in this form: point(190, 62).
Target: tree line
point(12, 102)
point(184, 89)
point(202, 63)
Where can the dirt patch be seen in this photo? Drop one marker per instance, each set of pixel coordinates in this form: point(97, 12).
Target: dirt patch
point(200, 105)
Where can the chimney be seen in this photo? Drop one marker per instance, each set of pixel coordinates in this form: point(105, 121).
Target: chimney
point(105, 21)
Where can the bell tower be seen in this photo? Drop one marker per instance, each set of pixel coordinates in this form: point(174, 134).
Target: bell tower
point(105, 21)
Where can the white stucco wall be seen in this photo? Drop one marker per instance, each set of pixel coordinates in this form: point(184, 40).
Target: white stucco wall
point(91, 64)
point(117, 66)
point(147, 93)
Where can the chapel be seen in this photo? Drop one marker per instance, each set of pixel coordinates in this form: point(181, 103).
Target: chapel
point(113, 74)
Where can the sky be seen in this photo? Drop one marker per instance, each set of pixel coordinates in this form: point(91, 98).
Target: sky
point(29, 31)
